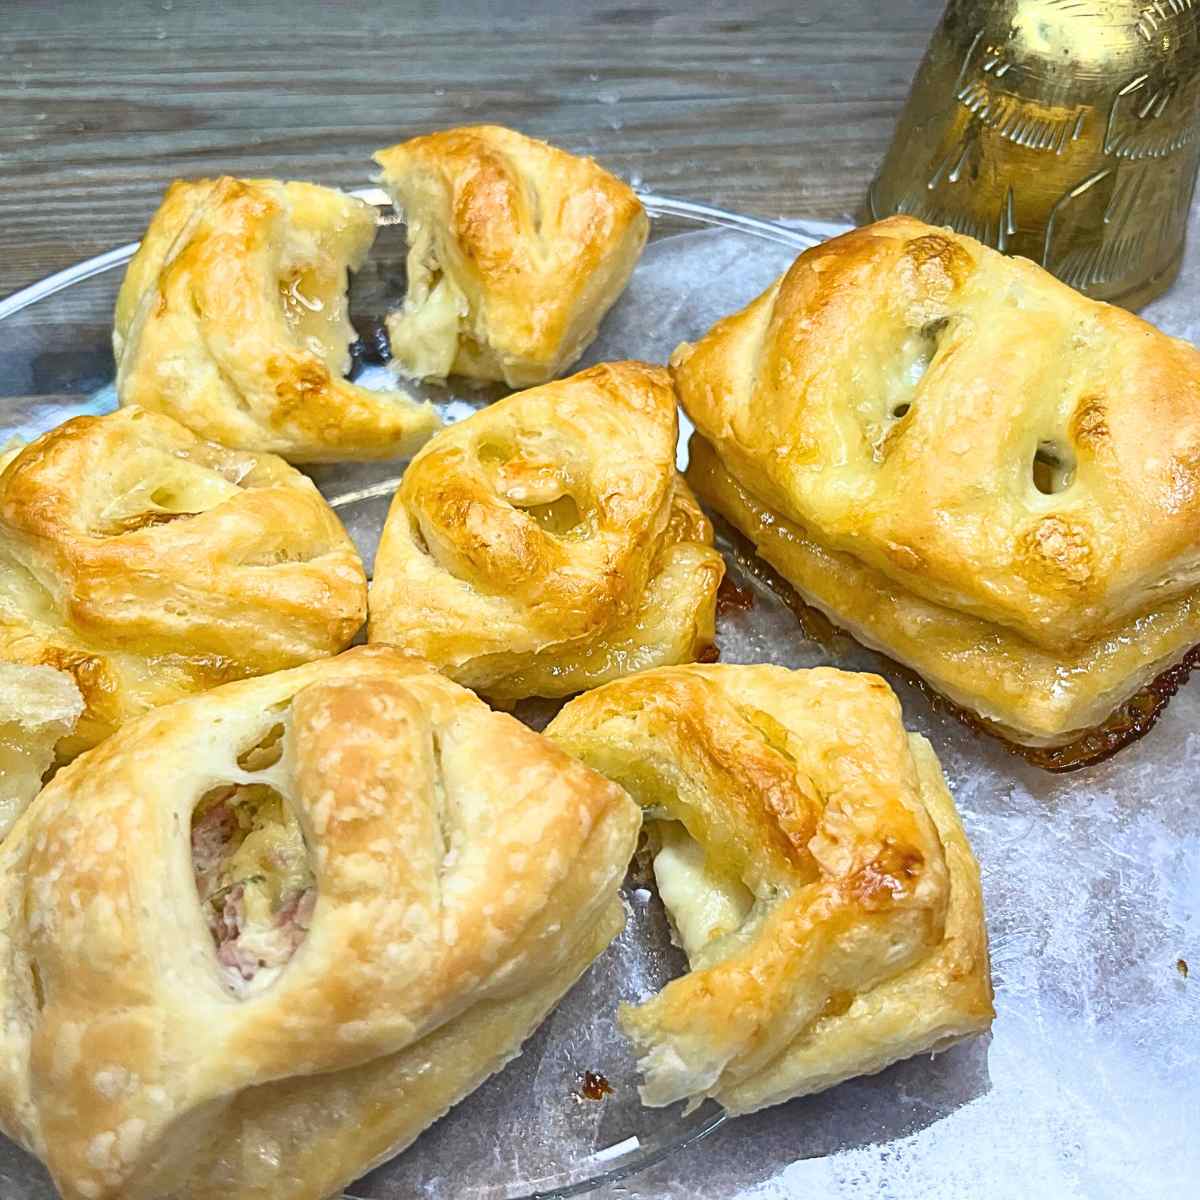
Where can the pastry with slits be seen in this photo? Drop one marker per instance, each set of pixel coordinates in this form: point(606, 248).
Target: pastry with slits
point(970, 467)
point(815, 871)
point(233, 319)
point(151, 565)
point(516, 251)
point(547, 543)
point(257, 941)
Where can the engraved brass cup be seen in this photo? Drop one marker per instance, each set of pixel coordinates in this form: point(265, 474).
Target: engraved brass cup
point(1064, 130)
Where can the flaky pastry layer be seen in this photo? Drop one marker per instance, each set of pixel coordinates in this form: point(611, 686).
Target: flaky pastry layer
point(151, 565)
point(1033, 696)
point(966, 426)
point(38, 708)
point(858, 938)
point(547, 543)
point(465, 873)
point(233, 319)
point(516, 251)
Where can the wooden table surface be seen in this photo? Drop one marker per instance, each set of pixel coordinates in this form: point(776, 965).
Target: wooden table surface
point(778, 109)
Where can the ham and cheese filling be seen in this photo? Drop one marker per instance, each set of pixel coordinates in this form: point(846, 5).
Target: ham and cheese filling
point(254, 880)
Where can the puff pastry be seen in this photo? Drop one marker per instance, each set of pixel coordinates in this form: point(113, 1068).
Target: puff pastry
point(815, 870)
point(150, 565)
point(441, 876)
point(516, 252)
point(38, 708)
point(547, 543)
point(232, 319)
point(965, 464)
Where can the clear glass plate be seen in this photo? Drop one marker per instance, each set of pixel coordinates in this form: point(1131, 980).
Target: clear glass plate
point(1088, 1084)
point(56, 362)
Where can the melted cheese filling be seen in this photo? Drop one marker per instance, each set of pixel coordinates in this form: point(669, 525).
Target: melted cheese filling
point(424, 337)
point(704, 905)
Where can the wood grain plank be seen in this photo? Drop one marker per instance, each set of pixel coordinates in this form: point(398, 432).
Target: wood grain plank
point(779, 110)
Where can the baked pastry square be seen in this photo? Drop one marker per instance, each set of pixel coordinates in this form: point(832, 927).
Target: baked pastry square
point(385, 888)
point(233, 319)
point(547, 543)
point(815, 871)
point(516, 251)
point(150, 565)
point(965, 464)
point(38, 708)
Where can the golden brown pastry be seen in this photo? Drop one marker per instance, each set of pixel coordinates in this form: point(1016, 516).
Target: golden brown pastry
point(233, 320)
point(38, 708)
point(815, 871)
point(965, 464)
point(358, 890)
point(547, 543)
point(150, 565)
point(516, 252)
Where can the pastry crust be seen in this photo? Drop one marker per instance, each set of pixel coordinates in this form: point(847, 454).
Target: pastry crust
point(516, 251)
point(38, 708)
point(466, 872)
point(151, 565)
point(996, 474)
point(850, 933)
point(1021, 692)
point(232, 319)
point(547, 543)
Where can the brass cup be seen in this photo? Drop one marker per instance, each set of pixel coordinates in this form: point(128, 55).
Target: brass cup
point(1066, 132)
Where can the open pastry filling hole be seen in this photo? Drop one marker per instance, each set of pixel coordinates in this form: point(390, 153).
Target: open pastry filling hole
point(529, 478)
point(154, 487)
point(560, 516)
point(1053, 468)
point(253, 876)
point(901, 381)
point(704, 904)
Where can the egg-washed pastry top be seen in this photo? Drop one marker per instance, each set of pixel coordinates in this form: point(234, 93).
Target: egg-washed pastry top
point(233, 319)
point(516, 251)
point(150, 565)
point(967, 465)
point(547, 543)
point(256, 941)
point(813, 866)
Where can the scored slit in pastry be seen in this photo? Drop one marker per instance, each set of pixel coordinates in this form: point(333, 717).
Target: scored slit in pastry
point(548, 543)
point(970, 467)
point(357, 892)
point(149, 565)
point(233, 319)
point(39, 706)
point(516, 251)
point(814, 868)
